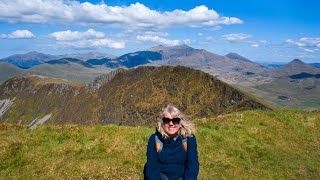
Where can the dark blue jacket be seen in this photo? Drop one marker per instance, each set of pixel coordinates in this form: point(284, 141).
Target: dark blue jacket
point(173, 160)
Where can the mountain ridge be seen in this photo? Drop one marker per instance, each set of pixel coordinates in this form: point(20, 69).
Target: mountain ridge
point(127, 97)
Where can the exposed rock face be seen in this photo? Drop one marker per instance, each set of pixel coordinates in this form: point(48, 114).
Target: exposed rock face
point(96, 84)
point(5, 105)
point(127, 97)
point(38, 122)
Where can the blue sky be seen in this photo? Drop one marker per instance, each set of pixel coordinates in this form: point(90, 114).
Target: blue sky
point(261, 30)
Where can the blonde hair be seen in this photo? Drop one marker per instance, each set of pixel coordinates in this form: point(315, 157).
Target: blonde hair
point(187, 128)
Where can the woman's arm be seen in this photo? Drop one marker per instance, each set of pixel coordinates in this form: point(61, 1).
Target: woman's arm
point(152, 165)
point(192, 163)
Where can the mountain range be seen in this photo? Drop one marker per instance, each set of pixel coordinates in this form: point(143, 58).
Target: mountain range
point(232, 68)
point(34, 58)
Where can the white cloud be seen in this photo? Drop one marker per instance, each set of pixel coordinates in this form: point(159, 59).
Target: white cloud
point(92, 43)
point(305, 42)
point(236, 37)
point(132, 17)
point(19, 34)
point(87, 39)
point(156, 33)
point(308, 50)
point(264, 41)
point(158, 40)
point(200, 34)
point(76, 35)
point(216, 28)
point(253, 44)
point(209, 38)
point(290, 41)
point(242, 38)
point(188, 41)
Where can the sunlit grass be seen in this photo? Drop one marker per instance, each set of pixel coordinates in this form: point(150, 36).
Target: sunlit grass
point(243, 145)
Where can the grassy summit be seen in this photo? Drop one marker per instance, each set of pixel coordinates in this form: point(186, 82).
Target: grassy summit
point(241, 145)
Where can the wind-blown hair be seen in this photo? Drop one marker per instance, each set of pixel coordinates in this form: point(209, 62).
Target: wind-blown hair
point(187, 128)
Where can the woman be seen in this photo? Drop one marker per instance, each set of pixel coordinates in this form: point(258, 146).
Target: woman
point(172, 150)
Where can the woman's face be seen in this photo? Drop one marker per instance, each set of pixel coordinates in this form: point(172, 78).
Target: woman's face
point(170, 128)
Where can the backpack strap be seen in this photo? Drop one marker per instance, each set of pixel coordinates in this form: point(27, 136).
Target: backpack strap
point(159, 144)
point(185, 144)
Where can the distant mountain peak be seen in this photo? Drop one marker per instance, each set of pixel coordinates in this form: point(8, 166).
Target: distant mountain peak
point(296, 67)
point(33, 52)
point(30, 54)
point(297, 62)
point(237, 56)
point(89, 55)
point(163, 48)
point(157, 48)
point(183, 46)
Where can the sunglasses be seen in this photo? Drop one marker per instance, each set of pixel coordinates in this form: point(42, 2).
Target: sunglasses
point(174, 120)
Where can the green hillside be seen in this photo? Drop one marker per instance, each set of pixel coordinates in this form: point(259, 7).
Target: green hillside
point(8, 70)
point(71, 71)
point(241, 145)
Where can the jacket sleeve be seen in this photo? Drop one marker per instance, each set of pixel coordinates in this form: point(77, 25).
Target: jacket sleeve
point(192, 163)
point(152, 165)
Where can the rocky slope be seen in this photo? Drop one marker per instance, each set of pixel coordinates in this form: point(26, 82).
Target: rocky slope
point(233, 71)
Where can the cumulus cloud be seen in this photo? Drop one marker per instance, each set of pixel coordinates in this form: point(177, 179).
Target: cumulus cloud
point(92, 43)
point(19, 34)
point(158, 40)
point(242, 38)
point(87, 39)
point(236, 37)
point(305, 42)
point(76, 35)
point(134, 16)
